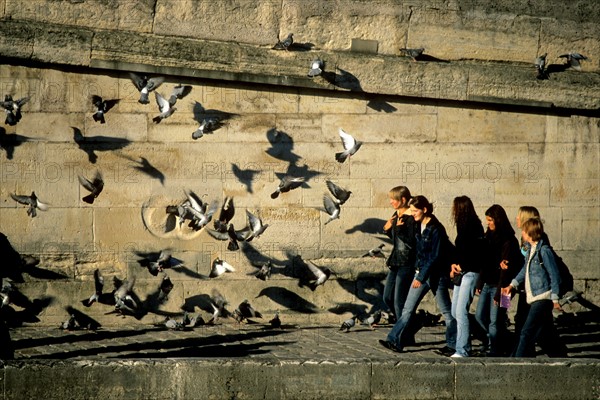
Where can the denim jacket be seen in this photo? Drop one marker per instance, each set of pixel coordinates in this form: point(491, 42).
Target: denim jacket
point(543, 276)
point(429, 254)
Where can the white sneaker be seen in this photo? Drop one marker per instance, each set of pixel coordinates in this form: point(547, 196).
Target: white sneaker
point(456, 355)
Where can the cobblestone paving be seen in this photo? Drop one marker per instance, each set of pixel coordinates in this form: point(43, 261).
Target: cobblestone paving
point(232, 340)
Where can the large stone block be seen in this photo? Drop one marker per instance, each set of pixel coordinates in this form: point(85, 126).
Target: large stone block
point(20, 44)
point(337, 103)
point(488, 126)
point(572, 129)
point(430, 379)
point(563, 161)
point(574, 192)
point(535, 191)
point(581, 234)
point(230, 21)
point(474, 35)
point(582, 264)
point(49, 126)
point(530, 380)
point(126, 16)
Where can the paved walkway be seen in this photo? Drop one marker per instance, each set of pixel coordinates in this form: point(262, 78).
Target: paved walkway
point(233, 340)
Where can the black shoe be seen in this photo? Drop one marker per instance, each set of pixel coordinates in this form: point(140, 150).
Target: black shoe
point(389, 345)
point(445, 351)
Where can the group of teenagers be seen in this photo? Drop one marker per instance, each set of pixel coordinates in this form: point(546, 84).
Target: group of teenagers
point(492, 264)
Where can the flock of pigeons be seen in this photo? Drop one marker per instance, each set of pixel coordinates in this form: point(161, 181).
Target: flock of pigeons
point(199, 214)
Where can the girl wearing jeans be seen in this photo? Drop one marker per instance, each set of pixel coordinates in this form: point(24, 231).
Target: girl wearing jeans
point(541, 280)
point(468, 243)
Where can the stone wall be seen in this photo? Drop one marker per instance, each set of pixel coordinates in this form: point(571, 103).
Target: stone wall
point(442, 129)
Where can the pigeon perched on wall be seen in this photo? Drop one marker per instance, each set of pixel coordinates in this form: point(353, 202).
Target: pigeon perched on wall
point(574, 59)
point(413, 53)
point(540, 66)
point(286, 184)
point(32, 201)
point(376, 252)
point(98, 287)
point(350, 144)
point(208, 125)
point(316, 68)
point(348, 324)
point(12, 108)
point(94, 186)
point(340, 195)
point(285, 43)
point(145, 85)
point(102, 107)
point(332, 208)
point(219, 267)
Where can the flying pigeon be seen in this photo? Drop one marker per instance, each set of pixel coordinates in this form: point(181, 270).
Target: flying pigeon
point(319, 275)
point(287, 183)
point(219, 267)
point(98, 287)
point(373, 319)
point(94, 186)
point(102, 107)
point(347, 324)
point(413, 53)
point(275, 322)
point(351, 146)
point(230, 234)
point(316, 68)
point(376, 252)
point(157, 262)
point(256, 226)
point(123, 299)
point(285, 44)
point(32, 201)
point(245, 311)
point(12, 108)
point(166, 109)
point(540, 66)
point(332, 208)
point(574, 59)
point(226, 215)
point(199, 212)
point(165, 288)
point(179, 92)
point(208, 125)
point(340, 195)
point(145, 85)
point(262, 272)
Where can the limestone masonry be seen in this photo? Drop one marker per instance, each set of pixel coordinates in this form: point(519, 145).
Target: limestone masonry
point(469, 119)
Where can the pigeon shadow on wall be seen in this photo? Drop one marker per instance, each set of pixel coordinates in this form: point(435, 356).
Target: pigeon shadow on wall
point(8, 142)
point(90, 145)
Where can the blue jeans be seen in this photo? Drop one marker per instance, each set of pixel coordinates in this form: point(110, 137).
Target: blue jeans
point(461, 302)
point(398, 334)
point(491, 318)
point(540, 325)
point(396, 289)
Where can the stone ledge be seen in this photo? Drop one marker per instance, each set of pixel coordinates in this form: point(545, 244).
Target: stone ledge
point(504, 83)
point(274, 378)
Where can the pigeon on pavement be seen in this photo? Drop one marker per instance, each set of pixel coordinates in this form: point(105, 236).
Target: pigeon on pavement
point(348, 324)
point(373, 319)
point(376, 252)
point(540, 66)
point(219, 267)
point(262, 272)
point(245, 311)
point(98, 287)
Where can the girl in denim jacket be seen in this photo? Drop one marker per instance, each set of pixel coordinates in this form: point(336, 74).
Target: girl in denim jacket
point(541, 281)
